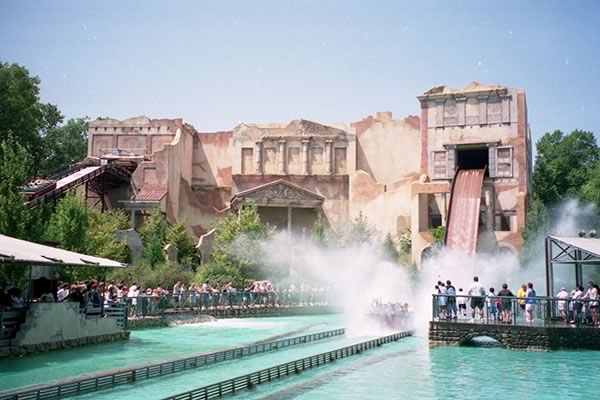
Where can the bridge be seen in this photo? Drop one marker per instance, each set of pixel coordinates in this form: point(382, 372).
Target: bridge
point(549, 324)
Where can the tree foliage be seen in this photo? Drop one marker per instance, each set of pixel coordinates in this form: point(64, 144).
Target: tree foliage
point(22, 115)
point(563, 165)
point(69, 224)
point(65, 145)
point(101, 235)
point(237, 250)
point(390, 250)
point(16, 219)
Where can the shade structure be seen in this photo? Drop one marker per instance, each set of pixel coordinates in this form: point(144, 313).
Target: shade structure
point(17, 251)
point(574, 251)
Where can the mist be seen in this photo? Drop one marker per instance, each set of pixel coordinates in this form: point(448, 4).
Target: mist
point(360, 273)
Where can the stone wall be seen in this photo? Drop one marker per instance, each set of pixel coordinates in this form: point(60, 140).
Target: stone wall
point(530, 338)
point(59, 322)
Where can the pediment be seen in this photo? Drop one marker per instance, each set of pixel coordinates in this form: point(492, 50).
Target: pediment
point(280, 193)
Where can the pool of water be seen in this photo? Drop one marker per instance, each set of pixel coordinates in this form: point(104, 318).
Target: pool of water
point(411, 369)
point(154, 345)
point(405, 369)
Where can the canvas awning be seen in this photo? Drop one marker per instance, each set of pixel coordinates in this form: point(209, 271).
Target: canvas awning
point(17, 251)
point(574, 251)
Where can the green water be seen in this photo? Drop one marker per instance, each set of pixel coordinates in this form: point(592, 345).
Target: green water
point(153, 345)
point(408, 369)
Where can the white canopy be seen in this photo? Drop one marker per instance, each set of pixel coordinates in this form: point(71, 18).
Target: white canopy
point(589, 245)
point(17, 251)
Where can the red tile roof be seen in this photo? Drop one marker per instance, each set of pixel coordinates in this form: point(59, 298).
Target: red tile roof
point(150, 195)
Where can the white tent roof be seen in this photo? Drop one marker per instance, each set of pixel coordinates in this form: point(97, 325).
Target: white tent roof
point(589, 245)
point(17, 251)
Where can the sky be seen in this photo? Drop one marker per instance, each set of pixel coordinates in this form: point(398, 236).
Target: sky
point(217, 63)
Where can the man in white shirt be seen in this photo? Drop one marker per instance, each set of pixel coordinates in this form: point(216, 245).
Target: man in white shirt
point(478, 292)
point(63, 292)
point(562, 303)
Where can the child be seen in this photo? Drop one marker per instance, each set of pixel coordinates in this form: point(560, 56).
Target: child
point(491, 304)
point(462, 303)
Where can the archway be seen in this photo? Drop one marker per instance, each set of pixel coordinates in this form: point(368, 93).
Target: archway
point(483, 340)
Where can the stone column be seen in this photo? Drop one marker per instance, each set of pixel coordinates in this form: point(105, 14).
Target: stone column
point(461, 104)
point(505, 109)
point(328, 166)
point(439, 113)
point(492, 160)
point(282, 157)
point(258, 157)
point(289, 219)
point(482, 110)
point(450, 161)
point(305, 157)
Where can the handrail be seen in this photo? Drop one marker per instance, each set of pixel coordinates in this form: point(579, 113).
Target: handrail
point(103, 380)
point(249, 381)
point(513, 310)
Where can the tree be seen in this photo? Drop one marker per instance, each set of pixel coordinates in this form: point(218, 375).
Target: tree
point(16, 219)
point(319, 236)
point(390, 251)
point(237, 250)
point(101, 235)
point(591, 189)
point(186, 250)
point(154, 233)
point(69, 224)
point(65, 145)
point(22, 115)
point(563, 165)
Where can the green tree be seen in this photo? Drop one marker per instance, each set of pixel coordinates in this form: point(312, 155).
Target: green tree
point(186, 250)
point(319, 233)
point(563, 165)
point(390, 251)
point(65, 144)
point(22, 115)
point(358, 232)
point(237, 248)
point(16, 219)
point(101, 235)
point(154, 234)
point(70, 223)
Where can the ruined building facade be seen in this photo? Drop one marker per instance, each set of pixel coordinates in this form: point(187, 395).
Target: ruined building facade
point(397, 172)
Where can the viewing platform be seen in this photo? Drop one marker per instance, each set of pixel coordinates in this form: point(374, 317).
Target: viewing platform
point(545, 329)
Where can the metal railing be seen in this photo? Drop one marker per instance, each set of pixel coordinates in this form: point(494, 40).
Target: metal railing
point(119, 311)
point(103, 380)
point(249, 381)
point(538, 310)
point(10, 321)
point(152, 306)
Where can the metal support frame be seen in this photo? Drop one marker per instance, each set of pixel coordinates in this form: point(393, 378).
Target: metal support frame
point(566, 254)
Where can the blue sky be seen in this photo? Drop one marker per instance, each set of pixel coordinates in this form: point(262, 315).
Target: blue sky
point(215, 63)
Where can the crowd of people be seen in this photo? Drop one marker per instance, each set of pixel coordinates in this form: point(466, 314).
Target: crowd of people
point(497, 306)
point(502, 306)
point(205, 296)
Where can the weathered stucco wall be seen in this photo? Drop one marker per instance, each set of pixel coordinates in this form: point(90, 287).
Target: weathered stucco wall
point(388, 149)
point(57, 322)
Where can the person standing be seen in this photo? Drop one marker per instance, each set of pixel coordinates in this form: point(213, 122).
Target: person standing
point(530, 303)
point(491, 305)
point(562, 295)
point(462, 303)
point(477, 291)
point(506, 300)
point(451, 302)
point(577, 305)
point(521, 297)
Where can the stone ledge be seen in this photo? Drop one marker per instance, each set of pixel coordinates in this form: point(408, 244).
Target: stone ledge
point(15, 351)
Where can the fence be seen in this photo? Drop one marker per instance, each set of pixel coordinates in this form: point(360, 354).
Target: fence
point(249, 381)
point(112, 310)
point(122, 376)
point(151, 306)
point(537, 310)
